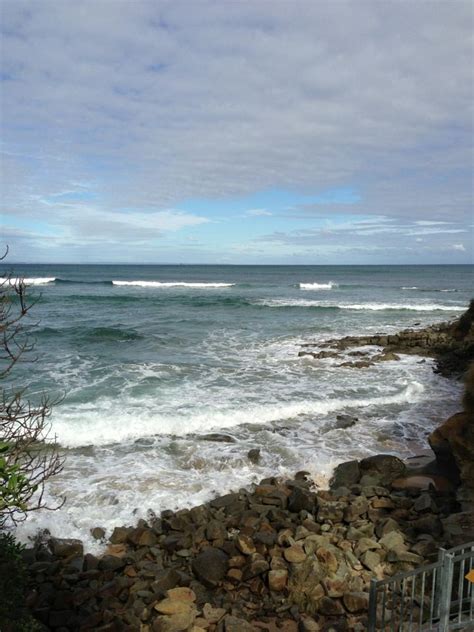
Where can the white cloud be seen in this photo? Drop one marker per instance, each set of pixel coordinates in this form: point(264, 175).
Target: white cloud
point(149, 103)
point(258, 212)
point(459, 247)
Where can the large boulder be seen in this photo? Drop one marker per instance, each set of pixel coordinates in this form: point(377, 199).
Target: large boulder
point(453, 445)
point(210, 566)
point(381, 469)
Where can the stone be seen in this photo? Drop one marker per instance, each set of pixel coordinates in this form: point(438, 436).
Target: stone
point(111, 563)
point(215, 530)
point(355, 509)
point(66, 547)
point(98, 533)
point(253, 455)
point(182, 593)
point(332, 511)
point(211, 614)
point(393, 541)
point(345, 421)
point(330, 607)
point(301, 500)
point(345, 475)
point(327, 558)
point(383, 467)
point(370, 560)
point(277, 580)
point(423, 483)
point(173, 606)
point(210, 566)
point(218, 437)
point(120, 534)
point(356, 601)
point(178, 622)
point(234, 624)
point(295, 554)
point(245, 544)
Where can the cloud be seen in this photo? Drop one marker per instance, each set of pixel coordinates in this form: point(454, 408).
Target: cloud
point(148, 104)
point(460, 247)
point(259, 212)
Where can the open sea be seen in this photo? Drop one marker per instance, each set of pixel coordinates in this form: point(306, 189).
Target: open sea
point(150, 359)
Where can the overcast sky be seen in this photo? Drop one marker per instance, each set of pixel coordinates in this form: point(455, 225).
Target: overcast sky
point(237, 132)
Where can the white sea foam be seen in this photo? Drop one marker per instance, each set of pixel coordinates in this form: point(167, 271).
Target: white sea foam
point(412, 287)
point(33, 280)
point(92, 426)
point(163, 284)
point(416, 307)
point(318, 286)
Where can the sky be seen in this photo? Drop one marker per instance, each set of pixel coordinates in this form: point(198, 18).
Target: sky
point(222, 131)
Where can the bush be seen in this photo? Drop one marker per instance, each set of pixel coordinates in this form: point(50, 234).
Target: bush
point(14, 616)
point(26, 462)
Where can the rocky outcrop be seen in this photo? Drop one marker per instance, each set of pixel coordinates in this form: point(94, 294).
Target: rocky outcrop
point(451, 344)
point(279, 557)
point(453, 445)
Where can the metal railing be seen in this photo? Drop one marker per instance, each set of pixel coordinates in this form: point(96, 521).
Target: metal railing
point(437, 597)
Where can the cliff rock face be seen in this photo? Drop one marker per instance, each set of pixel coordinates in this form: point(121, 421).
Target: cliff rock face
point(453, 445)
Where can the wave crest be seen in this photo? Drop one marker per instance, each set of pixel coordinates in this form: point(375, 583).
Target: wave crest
point(32, 280)
point(318, 286)
point(166, 284)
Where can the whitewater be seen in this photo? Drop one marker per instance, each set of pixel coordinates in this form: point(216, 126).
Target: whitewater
point(168, 375)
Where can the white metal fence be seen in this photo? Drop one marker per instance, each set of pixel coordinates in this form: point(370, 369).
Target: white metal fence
point(437, 597)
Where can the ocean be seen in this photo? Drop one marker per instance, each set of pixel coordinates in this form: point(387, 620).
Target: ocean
point(148, 360)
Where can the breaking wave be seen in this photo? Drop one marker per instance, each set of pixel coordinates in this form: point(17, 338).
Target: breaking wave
point(165, 284)
point(318, 286)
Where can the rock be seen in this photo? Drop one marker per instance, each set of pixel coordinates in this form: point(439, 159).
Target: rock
point(393, 541)
point(295, 554)
point(253, 455)
point(211, 614)
point(423, 483)
point(181, 593)
point(111, 563)
point(356, 601)
point(62, 547)
point(345, 475)
point(245, 544)
point(120, 534)
point(370, 560)
point(345, 421)
point(330, 607)
point(98, 533)
point(332, 511)
point(327, 558)
point(385, 468)
point(210, 566)
point(301, 499)
point(355, 509)
point(453, 445)
point(173, 606)
point(277, 580)
point(234, 624)
point(218, 437)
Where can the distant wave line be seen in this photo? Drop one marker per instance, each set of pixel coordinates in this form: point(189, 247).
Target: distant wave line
point(166, 284)
point(318, 286)
point(432, 307)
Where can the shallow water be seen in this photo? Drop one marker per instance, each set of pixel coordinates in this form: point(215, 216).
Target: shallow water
point(149, 359)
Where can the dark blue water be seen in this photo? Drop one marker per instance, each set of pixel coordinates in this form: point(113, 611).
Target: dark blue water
point(150, 358)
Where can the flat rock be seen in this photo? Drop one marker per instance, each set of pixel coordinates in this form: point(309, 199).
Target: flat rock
point(210, 566)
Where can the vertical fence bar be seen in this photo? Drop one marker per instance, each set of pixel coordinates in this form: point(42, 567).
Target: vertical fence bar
point(422, 599)
point(446, 590)
point(373, 606)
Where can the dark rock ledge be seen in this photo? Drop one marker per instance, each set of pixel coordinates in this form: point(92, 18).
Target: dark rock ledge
point(450, 343)
point(282, 556)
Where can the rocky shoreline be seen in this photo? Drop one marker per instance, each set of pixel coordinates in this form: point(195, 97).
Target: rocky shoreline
point(283, 555)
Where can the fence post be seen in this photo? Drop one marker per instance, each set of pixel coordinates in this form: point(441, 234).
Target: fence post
point(447, 569)
point(373, 606)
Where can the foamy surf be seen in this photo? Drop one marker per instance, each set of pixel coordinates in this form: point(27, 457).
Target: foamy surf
point(372, 307)
point(85, 427)
point(163, 284)
point(32, 280)
point(318, 286)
